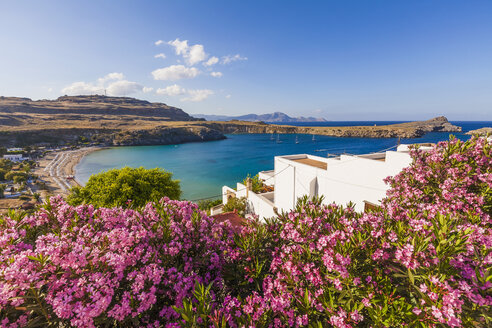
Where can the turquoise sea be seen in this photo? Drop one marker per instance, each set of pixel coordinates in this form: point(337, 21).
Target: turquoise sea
point(205, 167)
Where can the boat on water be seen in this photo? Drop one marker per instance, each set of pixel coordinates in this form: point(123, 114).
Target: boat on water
point(278, 139)
point(314, 139)
point(297, 140)
point(271, 136)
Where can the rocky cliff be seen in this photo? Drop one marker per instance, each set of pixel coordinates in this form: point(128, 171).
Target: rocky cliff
point(118, 121)
point(402, 130)
point(481, 131)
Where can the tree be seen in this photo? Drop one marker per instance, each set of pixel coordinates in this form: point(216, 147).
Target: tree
point(126, 187)
point(16, 176)
point(2, 174)
point(2, 190)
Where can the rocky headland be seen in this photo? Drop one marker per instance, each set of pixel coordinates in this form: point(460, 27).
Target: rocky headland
point(481, 132)
point(123, 121)
point(403, 130)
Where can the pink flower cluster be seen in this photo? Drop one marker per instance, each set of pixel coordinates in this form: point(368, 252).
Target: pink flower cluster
point(423, 260)
point(83, 266)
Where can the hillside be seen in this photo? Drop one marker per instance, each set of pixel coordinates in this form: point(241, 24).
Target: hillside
point(276, 117)
point(122, 121)
point(93, 105)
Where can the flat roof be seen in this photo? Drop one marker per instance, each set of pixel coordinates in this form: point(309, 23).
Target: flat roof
point(312, 162)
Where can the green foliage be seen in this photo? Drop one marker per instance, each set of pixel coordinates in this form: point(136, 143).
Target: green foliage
point(24, 197)
point(20, 179)
point(6, 164)
point(16, 175)
point(2, 174)
point(236, 204)
point(257, 184)
point(42, 185)
point(36, 196)
point(206, 205)
point(126, 187)
point(2, 190)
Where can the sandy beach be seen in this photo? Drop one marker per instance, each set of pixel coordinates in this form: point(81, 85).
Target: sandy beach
point(55, 167)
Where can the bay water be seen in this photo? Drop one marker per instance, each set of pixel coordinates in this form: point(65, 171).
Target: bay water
point(204, 167)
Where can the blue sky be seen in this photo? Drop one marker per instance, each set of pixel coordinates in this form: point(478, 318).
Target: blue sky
point(342, 60)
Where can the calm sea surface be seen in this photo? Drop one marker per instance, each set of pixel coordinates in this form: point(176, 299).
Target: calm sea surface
point(205, 167)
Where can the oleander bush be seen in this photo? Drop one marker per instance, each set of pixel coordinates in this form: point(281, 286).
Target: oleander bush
point(86, 267)
point(423, 260)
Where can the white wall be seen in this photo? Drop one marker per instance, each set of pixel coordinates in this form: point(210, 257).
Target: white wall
point(349, 178)
point(225, 190)
point(284, 184)
point(256, 203)
point(267, 177)
point(260, 206)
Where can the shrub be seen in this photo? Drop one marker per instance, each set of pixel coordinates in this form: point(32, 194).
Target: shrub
point(257, 185)
point(424, 260)
point(126, 187)
point(206, 205)
point(87, 267)
point(2, 190)
point(236, 204)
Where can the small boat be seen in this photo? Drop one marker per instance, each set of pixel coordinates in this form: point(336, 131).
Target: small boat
point(278, 139)
point(314, 139)
point(271, 136)
point(297, 140)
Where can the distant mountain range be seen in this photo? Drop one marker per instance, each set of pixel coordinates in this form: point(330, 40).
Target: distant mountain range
point(277, 117)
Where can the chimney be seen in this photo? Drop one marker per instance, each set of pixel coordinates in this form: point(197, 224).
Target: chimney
point(249, 186)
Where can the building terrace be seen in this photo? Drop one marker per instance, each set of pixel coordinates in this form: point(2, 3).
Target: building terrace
point(342, 179)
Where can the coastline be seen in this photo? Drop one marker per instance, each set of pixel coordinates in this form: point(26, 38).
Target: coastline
point(54, 168)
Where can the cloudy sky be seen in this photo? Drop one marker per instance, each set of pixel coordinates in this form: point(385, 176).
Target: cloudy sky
point(342, 60)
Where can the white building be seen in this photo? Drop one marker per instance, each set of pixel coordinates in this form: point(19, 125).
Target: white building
point(342, 179)
point(14, 149)
point(15, 157)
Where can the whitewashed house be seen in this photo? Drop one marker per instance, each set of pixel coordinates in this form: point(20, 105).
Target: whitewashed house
point(342, 179)
point(15, 157)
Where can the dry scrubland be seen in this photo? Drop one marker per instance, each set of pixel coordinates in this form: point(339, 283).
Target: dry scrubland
point(128, 121)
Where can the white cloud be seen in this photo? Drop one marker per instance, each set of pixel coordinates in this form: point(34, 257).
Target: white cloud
point(172, 90)
point(175, 72)
point(113, 84)
point(147, 89)
point(194, 95)
point(198, 95)
point(216, 74)
point(228, 96)
point(196, 54)
point(158, 42)
point(181, 47)
point(82, 88)
point(231, 58)
point(123, 88)
point(211, 61)
point(110, 77)
point(192, 54)
point(161, 55)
